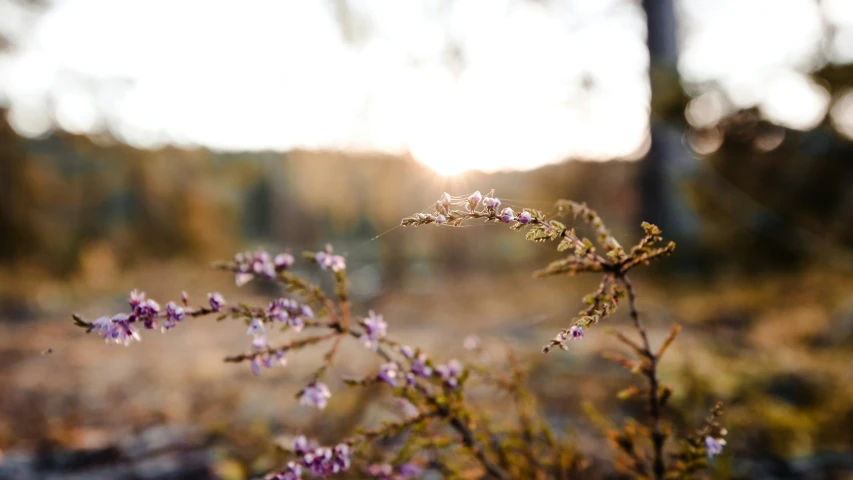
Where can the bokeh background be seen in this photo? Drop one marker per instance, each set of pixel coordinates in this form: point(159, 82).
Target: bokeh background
point(141, 140)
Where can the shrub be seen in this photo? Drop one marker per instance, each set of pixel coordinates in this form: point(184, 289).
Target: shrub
point(442, 431)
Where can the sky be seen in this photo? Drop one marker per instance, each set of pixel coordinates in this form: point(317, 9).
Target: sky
point(458, 84)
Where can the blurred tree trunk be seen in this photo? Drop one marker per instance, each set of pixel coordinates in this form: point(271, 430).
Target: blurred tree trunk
point(668, 163)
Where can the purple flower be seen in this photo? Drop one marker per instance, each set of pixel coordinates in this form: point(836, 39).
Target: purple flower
point(256, 367)
point(714, 446)
point(576, 332)
point(324, 461)
point(328, 261)
point(117, 329)
point(136, 298)
point(420, 366)
point(301, 445)
point(450, 373)
point(268, 270)
point(256, 328)
point(283, 261)
point(316, 395)
point(524, 218)
point(341, 460)
point(338, 263)
point(507, 215)
point(442, 206)
point(143, 309)
point(407, 352)
point(388, 373)
point(102, 325)
point(375, 328)
point(492, 204)
point(216, 301)
point(474, 200)
point(293, 471)
point(288, 311)
point(174, 314)
point(440, 219)
point(249, 264)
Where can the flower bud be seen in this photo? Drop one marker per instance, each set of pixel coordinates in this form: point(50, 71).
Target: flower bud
point(492, 204)
point(283, 261)
point(216, 301)
point(474, 200)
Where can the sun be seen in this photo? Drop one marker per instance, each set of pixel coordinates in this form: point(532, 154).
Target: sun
point(445, 168)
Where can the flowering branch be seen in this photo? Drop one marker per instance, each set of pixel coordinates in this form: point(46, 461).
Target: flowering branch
point(437, 412)
point(615, 284)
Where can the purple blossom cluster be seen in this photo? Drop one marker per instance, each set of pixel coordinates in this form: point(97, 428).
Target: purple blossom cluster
point(259, 263)
point(573, 333)
point(442, 205)
point(267, 359)
point(450, 373)
point(389, 372)
point(174, 314)
point(420, 367)
point(492, 208)
point(316, 395)
point(318, 461)
point(419, 364)
point(117, 329)
point(386, 471)
point(507, 215)
point(714, 445)
point(329, 261)
point(374, 329)
point(121, 328)
point(492, 204)
point(290, 313)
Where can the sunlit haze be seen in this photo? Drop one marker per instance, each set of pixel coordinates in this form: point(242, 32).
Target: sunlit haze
point(466, 85)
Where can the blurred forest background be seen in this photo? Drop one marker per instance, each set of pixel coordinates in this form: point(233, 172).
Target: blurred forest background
point(727, 123)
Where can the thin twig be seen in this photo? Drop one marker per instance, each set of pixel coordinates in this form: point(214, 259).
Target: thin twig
point(658, 436)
